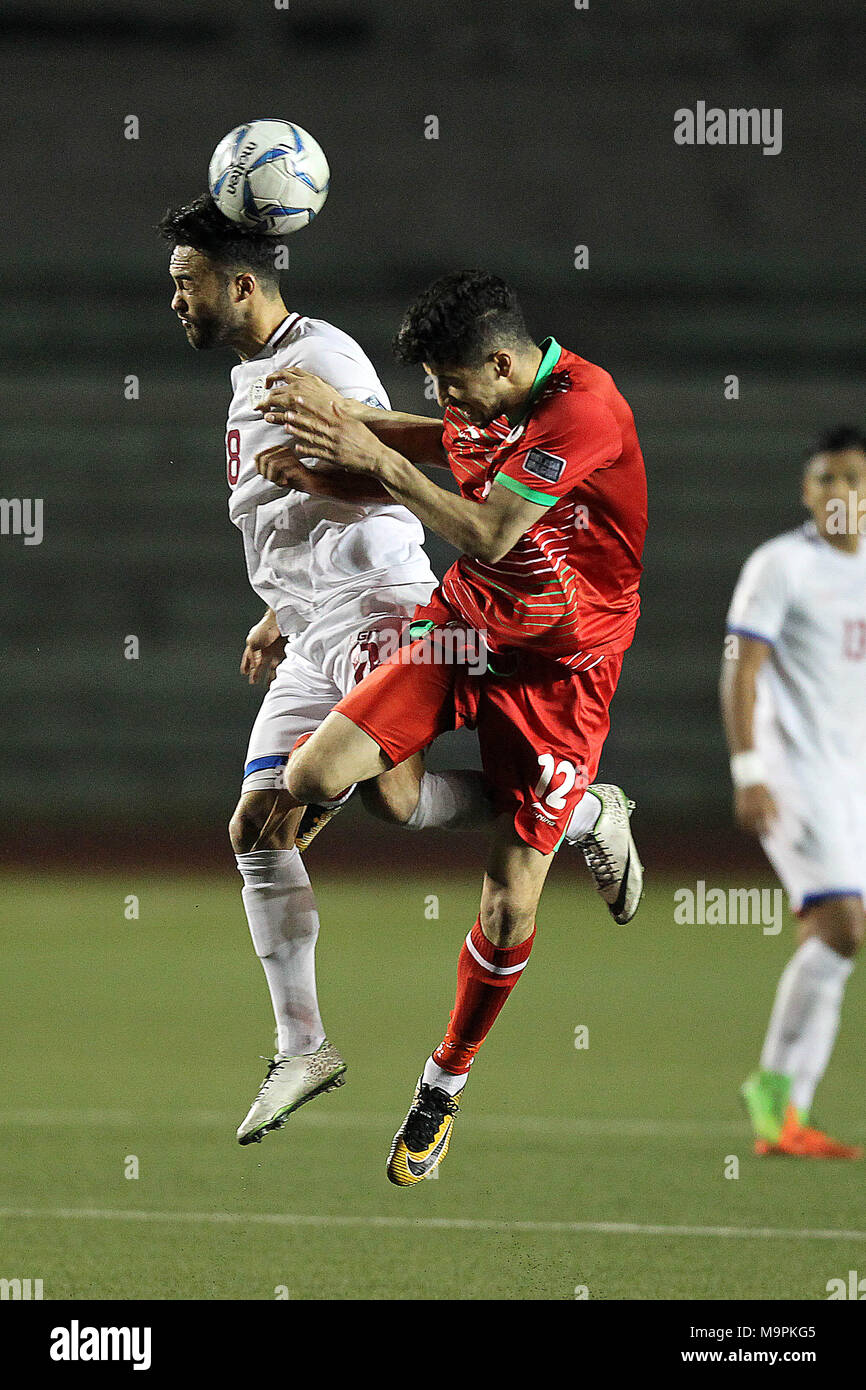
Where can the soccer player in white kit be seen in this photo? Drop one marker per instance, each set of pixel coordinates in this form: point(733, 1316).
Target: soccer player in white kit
point(794, 705)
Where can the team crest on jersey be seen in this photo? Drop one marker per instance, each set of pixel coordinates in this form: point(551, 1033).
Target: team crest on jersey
point(543, 465)
point(258, 391)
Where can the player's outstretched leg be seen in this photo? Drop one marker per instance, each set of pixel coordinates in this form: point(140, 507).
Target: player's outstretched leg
point(601, 828)
point(801, 1034)
point(491, 962)
point(284, 926)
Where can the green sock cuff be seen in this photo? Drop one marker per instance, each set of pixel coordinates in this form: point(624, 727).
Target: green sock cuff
point(778, 1084)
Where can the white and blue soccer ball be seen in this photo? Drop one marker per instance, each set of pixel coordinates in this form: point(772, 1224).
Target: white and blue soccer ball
point(269, 176)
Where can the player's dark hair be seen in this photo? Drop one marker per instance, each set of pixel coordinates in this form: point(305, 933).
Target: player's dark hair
point(836, 439)
point(459, 319)
point(201, 225)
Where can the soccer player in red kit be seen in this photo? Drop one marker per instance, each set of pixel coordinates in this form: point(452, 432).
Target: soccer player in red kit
point(550, 522)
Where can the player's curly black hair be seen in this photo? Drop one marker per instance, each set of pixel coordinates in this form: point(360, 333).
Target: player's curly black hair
point(459, 319)
point(200, 224)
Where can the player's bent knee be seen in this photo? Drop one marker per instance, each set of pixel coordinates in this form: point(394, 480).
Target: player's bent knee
point(308, 780)
point(841, 925)
point(263, 820)
point(239, 827)
point(338, 755)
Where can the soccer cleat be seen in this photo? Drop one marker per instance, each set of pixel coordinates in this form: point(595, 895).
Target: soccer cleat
point(765, 1095)
point(611, 854)
point(797, 1140)
point(422, 1140)
point(290, 1083)
point(315, 818)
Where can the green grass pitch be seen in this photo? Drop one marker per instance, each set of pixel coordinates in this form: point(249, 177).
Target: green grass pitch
point(139, 1039)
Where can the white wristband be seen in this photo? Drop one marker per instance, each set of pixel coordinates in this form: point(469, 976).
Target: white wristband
point(747, 769)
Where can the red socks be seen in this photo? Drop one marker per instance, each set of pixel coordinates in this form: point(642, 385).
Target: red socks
point(486, 975)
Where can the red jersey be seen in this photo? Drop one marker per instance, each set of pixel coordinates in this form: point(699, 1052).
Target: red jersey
point(569, 588)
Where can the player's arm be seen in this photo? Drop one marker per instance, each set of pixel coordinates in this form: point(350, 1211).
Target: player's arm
point(483, 530)
point(754, 806)
point(417, 437)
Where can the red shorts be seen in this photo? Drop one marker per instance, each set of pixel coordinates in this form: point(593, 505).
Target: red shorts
point(540, 730)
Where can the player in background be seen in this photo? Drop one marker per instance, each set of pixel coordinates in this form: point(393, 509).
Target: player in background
point(550, 521)
point(340, 568)
point(794, 707)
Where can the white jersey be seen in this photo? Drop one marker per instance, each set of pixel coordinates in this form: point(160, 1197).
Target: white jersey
point(807, 600)
point(304, 552)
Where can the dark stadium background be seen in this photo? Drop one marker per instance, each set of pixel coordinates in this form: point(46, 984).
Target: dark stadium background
point(556, 130)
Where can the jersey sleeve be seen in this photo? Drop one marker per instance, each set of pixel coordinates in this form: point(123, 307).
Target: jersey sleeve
point(353, 379)
point(569, 439)
point(356, 380)
point(762, 596)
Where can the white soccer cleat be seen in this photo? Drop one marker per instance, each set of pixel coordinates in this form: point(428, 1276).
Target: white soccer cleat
point(290, 1083)
point(611, 854)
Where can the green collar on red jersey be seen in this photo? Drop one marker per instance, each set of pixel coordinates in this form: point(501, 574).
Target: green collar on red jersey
point(552, 353)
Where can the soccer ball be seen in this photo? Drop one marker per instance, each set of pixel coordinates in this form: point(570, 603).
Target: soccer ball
point(270, 176)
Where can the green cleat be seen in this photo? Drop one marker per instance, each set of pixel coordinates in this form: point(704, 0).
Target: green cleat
point(766, 1095)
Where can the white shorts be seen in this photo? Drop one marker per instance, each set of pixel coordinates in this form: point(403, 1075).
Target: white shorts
point(818, 843)
point(321, 665)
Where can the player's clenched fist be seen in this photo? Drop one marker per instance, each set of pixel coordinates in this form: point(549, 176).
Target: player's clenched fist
point(264, 650)
point(279, 464)
point(755, 808)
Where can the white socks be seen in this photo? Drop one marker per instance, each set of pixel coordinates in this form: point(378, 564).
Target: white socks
point(434, 1075)
point(461, 801)
point(805, 1017)
point(284, 925)
point(583, 817)
point(451, 801)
